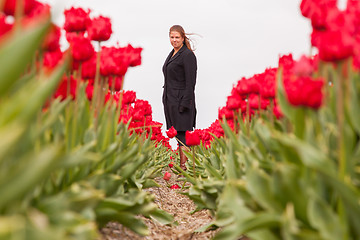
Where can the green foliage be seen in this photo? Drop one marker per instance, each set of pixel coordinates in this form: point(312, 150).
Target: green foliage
point(295, 178)
point(60, 177)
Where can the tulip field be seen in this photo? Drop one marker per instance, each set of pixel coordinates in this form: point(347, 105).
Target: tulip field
point(77, 151)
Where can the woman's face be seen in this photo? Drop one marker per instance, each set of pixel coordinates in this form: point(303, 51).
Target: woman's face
point(176, 40)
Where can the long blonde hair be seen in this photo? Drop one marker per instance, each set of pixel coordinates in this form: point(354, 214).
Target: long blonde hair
point(180, 29)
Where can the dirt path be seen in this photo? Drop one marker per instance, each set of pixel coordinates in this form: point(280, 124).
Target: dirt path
point(176, 204)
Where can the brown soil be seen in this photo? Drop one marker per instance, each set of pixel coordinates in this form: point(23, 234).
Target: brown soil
point(179, 206)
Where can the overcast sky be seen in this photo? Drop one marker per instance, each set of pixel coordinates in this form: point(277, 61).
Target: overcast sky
point(238, 38)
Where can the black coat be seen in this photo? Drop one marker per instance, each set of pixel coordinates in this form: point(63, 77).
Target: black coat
point(179, 89)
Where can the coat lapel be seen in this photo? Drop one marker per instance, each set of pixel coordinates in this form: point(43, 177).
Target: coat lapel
point(177, 54)
point(169, 57)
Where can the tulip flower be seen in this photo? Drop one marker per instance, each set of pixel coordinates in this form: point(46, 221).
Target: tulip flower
point(233, 102)
point(335, 45)
point(175, 186)
point(4, 25)
point(171, 164)
point(39, 10)
point(81, 48)
point(62, 90)
point(115, 82)
point(76, 19)
point(129, 97)
point(167, 176)
point(171, 132)
point(51, 59)
point(224, 111)
point(267, 89)
point(304, 91)
point(51, 42)
point(317, 10)
point(99, 29)
point(89, 91)
point(88, 69)
point(304, 67)
point(192, 138)
point(113, 62)
point(9, 6)
point(144, 106)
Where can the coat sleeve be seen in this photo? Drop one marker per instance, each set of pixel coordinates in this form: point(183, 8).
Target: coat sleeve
point(190, 68)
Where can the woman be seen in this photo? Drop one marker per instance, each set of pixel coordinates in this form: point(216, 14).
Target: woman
point(179, 89)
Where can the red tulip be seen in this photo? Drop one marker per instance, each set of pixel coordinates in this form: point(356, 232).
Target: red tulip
point(277, 112)
point(233, 102)
point(99, 29)
point(128, 97)
point(175, 186)
point(118, 82)
point(51, 59)
point(304, 91)
point(39, 9)
point(247, 86)
point(171, 164)
point(287, 63)
point(335, 45)
point(76, 19)
point(89, 91)
point(167, 176)
point(62, 90)
point(304, 67)
point(51, 42)
point(113, 62)
point(192, 138)
point(10, 6)
point(171, 132)
point(88, 69)
point(81, 48)
point(5, 26)
point(317, 11)
point(267, 89)
point(134, 55)
point(224, 111)
point(144, 106)
point(138, 115)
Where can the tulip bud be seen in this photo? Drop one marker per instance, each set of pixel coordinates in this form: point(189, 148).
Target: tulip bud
point(167, 176)
point(171, 164)
point(175, 186)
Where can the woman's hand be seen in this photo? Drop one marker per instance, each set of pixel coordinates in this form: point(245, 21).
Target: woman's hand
point(182, 109)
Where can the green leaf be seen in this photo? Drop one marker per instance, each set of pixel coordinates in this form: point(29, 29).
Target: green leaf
point(281, 98)
point(28, 173)
point(353, 105)
point(24, 106)
point(17, 51)
point(117, 203)
point(259, 186)
point(161, 216)
point(127, 219)
point(150, 183)
point(323, 218)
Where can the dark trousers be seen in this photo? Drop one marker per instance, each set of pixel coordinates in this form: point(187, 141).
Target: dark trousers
point(181, 136)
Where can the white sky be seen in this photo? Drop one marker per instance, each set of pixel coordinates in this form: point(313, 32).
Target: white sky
point(239, 38)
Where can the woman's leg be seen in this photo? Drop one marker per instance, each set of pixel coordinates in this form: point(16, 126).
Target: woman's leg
point(181, 136)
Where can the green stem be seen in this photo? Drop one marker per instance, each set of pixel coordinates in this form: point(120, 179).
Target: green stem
point(193, 158)
point(272, 111)
point(96, 89)
point(248, 115)
point(340, 122)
